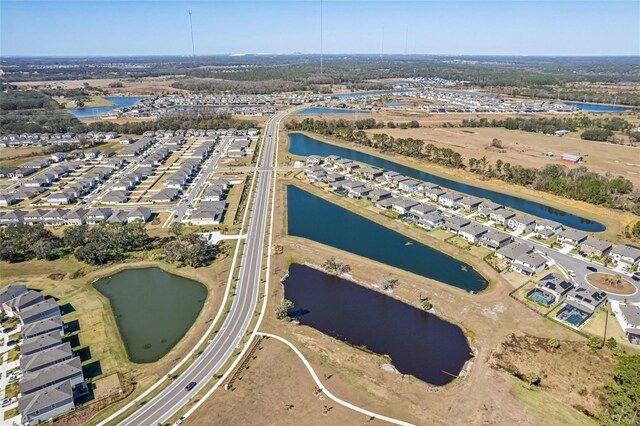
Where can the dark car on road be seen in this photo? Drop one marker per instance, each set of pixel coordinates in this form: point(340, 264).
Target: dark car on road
point(592, 268)
point(190, 386)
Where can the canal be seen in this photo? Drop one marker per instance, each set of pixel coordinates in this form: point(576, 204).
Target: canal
point(153, 309)
point(313, 218)
point(418, 343)
point(304, 145)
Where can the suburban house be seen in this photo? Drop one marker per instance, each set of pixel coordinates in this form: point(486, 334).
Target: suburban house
point(40, 343)
point(501, 216)
point(513, 250)
point(359, 192)
point(408, 185)
point(378, 194)
point(16, 305)
point(45, 326)
point(59, 198)
point(139, 214)
point(421, 210)
point(469, 203)
point(11, 291)
point(550, 225)
point(472, 232)
point(581, 303)
point(434, 193)
point(46, 309)
point(630, 321)
point(521, 223)
point(95, 216)
point(402, 205)
point(389, 175)
point(208, 213)
point(627, 255)
point(572, 237)
point(40, 406)
point(431, 220)
point(529, 263)
point(449, 199)
point(165, 195)
point(371, 173)
point(46, 358)
point(487, 207)
point(68, 371)
point(455, 223)
point(494, 239)
point(385, 203)
point(554, 285)
point(333, 177)
point(595, 248)
point(115, 197)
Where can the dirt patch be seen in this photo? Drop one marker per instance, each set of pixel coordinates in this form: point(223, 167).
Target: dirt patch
point(572, 373)
point(611, 283)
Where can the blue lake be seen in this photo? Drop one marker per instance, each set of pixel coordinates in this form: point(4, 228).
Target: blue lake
point(313, 218)
point(92, 112)
point(597, 107)
point(304, 145)
point(397, 103)
point(316, 111)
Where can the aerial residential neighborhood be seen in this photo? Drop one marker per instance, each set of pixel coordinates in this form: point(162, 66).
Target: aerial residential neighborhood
point(320, 213)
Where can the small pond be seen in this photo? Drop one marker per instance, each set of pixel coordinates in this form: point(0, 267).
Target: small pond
point(153, 309)
point(418, 343)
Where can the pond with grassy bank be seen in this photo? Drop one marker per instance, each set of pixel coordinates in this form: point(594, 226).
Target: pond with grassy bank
point(153, 309)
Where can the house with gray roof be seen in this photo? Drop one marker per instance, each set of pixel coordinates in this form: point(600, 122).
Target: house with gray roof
point(421, 210)
point(469, 203)
point(433, 193)
point(431, 220)
point(529, 263)
point(45, 326)
point(586, 300)
point(359, 192)
point(46, 309)
point(594, 247)
point(550, 225)
point(50, 402)
point(165, 195)
point(39, 343)
point(501, 216)
point(472, 232)
point(554, 285)
point(572, 237)
point(22, 301)
point(494, 239)
point(627, 255)
point(46, 358)
point(378, 194)
point(69, 370)
point(455, 223)
point(11, 291)
point(630, 321)
point(60, 198)
point(139, 214)
point(522, 223)
point(115, 197)
point(402, 205)
point(449, 199)
point(513, 250)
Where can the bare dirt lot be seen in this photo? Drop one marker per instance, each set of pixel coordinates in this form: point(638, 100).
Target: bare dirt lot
point(139, 86)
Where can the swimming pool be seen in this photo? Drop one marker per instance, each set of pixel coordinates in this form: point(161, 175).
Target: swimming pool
point(541, 297)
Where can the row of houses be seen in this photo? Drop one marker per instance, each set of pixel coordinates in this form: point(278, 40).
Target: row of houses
point(212, 207)
point(74, 217)
point(522, 224)
point(52, 373)
point(201, 133)
point(45, 139)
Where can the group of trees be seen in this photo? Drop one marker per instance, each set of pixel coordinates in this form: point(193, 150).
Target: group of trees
point(335, 266)
point(107, 242)
point(622, 394)
point(22, 242)
point(579, 183)
point(189, 249)
point(599, 129)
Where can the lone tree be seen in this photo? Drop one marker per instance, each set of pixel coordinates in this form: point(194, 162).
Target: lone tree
point(532, 378)
point(553, 343)
point(282, 310)
point(335, 267)
point(388, 283)
point(425, 303)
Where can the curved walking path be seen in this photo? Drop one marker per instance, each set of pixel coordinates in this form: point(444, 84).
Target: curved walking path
point(326, 391)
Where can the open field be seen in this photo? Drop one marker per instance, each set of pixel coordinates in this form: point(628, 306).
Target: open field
point(139, 86)
point(95, 320)
point(614, 220)
point(488, 319)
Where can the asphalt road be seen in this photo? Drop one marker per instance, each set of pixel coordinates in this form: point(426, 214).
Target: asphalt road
point(237, 321)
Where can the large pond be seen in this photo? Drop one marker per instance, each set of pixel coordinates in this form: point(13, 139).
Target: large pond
point(418, 343)
point(304, 145)
point(91, 112)
point(597, 107)
point(365, 94)
point(317, 111)
point(153, 309)
point(312, 217)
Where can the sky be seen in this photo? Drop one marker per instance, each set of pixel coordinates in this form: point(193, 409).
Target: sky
point(479, 27)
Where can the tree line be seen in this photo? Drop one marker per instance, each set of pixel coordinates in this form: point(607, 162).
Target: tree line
point(102, 244)
point(551, 125)
point(578, 184)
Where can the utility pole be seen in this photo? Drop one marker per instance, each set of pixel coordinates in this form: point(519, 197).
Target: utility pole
point(406, 41)
point(321, 36)
point(193, 46)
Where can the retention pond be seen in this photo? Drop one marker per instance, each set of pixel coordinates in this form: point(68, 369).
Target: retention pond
point(418, 343)
point(153, 309)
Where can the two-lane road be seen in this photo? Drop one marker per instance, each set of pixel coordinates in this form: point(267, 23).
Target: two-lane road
point(226, 341)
